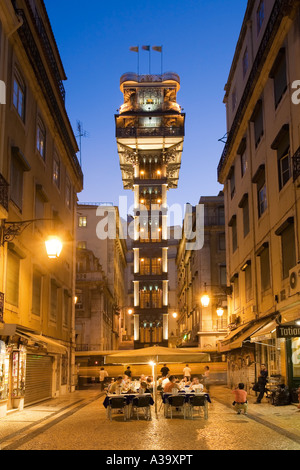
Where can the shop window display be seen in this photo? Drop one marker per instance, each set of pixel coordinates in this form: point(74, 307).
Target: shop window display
point(296, 357)
point(18, 372)
point(4, 371)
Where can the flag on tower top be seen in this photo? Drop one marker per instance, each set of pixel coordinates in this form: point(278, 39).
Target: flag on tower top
point(134, 49)
point(157, 48)
point(146, 48)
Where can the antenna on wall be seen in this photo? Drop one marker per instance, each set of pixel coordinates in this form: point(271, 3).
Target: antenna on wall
point(81, 133)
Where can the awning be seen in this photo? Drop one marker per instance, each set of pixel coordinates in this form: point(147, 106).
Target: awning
point(264, 333)
point(52, 346)
point(245, 335)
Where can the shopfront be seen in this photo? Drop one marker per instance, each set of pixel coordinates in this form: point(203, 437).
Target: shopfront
point(290, 333)
point(33, 368)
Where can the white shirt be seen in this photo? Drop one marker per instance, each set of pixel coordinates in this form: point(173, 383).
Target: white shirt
point(102, 375)
point(187, 372)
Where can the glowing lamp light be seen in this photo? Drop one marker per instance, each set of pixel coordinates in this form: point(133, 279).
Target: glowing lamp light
point(205, 300)
point(220, 312)
point(53, 247)
point(130, 311)
point(175, 315)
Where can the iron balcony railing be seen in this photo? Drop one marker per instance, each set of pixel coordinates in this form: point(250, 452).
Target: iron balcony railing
point(296, 164)
point(150, 131)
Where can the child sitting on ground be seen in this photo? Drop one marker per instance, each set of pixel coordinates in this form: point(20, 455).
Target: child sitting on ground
point(240, 403)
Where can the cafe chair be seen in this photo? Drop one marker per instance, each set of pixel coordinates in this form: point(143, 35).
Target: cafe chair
point(198, 401)
point(175, 401)
point(144, 404)
point(116, 404)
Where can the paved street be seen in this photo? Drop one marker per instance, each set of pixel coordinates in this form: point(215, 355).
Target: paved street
point(79, 422)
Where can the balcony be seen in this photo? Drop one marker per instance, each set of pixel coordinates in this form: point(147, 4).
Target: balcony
point(150, 132)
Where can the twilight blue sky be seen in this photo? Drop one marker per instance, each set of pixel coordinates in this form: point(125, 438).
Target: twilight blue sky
point(199, 39)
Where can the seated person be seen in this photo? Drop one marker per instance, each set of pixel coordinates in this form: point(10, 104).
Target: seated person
point(171, 384)
point(150, 384)
point(196, 385)
point(116, 387)
point(185, 382)
point(240, 402)
point(144, 386)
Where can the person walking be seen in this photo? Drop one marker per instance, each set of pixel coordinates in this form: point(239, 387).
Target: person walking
point(262, 382)
point(103, 374)
point(206, 378)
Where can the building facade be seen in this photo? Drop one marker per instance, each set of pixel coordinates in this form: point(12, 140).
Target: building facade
point(103, 257)
point(259, 170)
point(199, 272)
point(40, 179)
point(150, 135)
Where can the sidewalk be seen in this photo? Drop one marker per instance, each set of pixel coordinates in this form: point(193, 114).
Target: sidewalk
point(284, 417)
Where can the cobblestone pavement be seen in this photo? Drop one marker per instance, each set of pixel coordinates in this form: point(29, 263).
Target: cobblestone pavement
point(79, 422)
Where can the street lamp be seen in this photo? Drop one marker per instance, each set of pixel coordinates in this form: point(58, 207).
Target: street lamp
point(205, 299)
point(11, 230)
point(220, 311)
point(53, 247)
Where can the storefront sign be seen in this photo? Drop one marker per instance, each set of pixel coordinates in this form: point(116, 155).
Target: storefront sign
point(288, 331)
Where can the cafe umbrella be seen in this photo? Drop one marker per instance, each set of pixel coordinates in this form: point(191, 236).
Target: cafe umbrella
point(157, 355)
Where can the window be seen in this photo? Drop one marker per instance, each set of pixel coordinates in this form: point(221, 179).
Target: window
point(248, 280)
point(245, 62)
point(282, 145)
point(223, 275)
point(242, 151)
point(288, 247)
point(82, 221)
point(222, 242)
point(260, 16)
point(12, 278)
point(36, 293)
point(244, 205)
point(236, 292)
point(233, 225)
point(68, 194)
point(53, 301)
point(265, 277)
point(221, 215)
point(231, 178)
point(234, 99)
point(66, 308)
point(279, 76)
point(156, 266)
point(82, 245)
point(18, 166)
point(260, 180)
point(41, 139)
point(56, 171)
point(257, 119)
point(19, 91)
point(145, 266)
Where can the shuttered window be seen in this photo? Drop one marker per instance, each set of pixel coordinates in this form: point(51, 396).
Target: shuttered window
point(279, 76)
point(288, 246)
point(54, 302)
point(38, 383)
point(12, 279)
point(265, 268)
point(36, 293)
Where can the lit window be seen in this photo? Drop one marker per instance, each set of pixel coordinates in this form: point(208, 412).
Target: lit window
point(82, 222)
point(260, 16)
point(41, 139)
point(56, 171)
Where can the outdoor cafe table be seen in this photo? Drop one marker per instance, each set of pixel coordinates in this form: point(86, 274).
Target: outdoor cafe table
point(187, 396)
point(129, 397)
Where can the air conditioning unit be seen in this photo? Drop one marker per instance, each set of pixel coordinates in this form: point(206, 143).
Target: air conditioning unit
point(294, 277)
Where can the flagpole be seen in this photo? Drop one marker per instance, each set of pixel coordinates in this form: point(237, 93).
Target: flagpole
point(149, 60)
point(161, 59)
point(138, 61)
